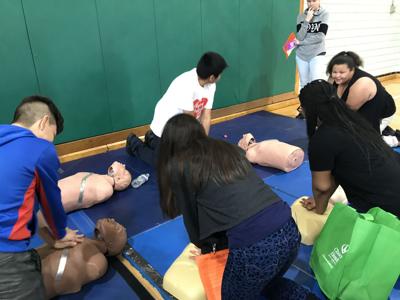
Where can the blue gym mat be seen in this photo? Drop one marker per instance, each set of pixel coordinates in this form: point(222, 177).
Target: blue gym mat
point(111, 285)
point(172, 238)
point(159, 241)
point(127, 207)
point(263, 126)
point(292, 185)
point(138, 209)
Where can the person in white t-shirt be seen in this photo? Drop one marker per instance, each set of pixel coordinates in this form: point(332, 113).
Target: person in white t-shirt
point(191, 92)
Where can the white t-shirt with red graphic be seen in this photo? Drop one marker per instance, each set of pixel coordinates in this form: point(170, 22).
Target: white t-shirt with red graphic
point(184, 94)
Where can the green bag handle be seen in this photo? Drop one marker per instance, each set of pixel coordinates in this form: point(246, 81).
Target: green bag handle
point(385, 218)
point(367, 217)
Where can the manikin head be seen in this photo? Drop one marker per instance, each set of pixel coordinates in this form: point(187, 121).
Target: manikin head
point(112, 233)
point(122, 177)
point(246, 141)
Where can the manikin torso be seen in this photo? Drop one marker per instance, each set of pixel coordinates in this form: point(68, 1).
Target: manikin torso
point(257, 153)
point(98, 188)
point(85, 262)
point(65, 271)
point(271, 153)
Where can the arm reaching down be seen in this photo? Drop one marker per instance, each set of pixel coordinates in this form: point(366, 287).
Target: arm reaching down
point(205, 120)
point(323, 186)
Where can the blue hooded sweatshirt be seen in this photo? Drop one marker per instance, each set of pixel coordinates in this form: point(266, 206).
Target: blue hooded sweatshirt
point(28, 178)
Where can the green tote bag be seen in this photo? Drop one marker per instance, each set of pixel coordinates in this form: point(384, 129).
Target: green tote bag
point(357, 256)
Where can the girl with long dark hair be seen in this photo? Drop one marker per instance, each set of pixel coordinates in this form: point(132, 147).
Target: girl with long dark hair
point(345, 149)
point(225, 204)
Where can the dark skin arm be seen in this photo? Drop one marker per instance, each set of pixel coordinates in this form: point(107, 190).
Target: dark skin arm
point(323, 186)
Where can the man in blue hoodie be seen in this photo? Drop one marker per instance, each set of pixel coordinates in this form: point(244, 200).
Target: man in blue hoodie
point(28, 181)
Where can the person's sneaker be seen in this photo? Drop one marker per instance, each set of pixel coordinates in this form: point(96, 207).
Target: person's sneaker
point(388, 131)
point(397, 134)
point(301, 114)
point(391, 140)
point(148, 137)
point(132, 142)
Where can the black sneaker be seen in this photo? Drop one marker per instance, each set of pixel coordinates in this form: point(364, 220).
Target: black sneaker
point(301, 114)
point(148, 137)
point(388, 131)
point(132, 142)
point(397, 134)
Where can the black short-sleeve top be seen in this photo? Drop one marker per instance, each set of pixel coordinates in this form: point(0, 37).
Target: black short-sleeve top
point(369, 179)
point(381, 106)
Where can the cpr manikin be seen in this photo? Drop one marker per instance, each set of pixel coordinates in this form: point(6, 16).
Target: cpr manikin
point(271, 153)
point(66, 270)
point(84, 189)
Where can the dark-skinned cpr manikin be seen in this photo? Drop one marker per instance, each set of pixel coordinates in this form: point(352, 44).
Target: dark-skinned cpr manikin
point(65, 271)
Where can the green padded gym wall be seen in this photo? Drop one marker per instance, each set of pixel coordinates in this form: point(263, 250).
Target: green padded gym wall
point(66, 46)
point(220, 23)
point(128, 38)
point(106, 63)
point(18, 77)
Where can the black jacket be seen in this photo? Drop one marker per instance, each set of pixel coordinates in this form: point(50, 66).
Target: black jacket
point(217, 208)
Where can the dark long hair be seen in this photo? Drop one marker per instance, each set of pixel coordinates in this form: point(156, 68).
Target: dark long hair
point(349, 58)
point(191, 159)
point(322, 105)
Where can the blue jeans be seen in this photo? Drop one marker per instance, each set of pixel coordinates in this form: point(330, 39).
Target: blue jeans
point(20, 276)
point(258, 269)
point(311, 70)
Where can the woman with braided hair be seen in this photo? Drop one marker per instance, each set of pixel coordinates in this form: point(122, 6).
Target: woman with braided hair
point(344, 149)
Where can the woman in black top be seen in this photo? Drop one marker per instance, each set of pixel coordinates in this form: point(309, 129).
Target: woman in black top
point(344, 149)
point(224, 204)
point(360, 90)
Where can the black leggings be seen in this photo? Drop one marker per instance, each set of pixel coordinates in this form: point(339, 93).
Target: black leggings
point(258, 269)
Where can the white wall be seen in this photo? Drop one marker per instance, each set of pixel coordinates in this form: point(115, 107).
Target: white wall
point(367, 28)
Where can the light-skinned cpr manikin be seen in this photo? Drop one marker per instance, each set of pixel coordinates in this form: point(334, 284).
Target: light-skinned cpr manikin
point(84, 189)
point(65, 271)
point(271, 153)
